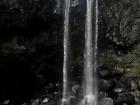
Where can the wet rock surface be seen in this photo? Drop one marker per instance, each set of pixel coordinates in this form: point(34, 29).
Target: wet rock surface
point(122, 89)
point(125, 98)
point(106, 101)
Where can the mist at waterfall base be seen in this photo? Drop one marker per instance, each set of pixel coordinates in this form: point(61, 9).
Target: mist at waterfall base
point(90, 93)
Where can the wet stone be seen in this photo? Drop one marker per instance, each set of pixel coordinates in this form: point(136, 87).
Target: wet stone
point(106, 101)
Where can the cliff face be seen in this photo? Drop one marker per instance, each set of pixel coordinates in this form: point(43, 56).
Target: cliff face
point(117, 25)
point(137, 16)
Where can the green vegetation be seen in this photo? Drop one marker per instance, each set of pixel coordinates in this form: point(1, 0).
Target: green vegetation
point(129, 63)
point(135, 70)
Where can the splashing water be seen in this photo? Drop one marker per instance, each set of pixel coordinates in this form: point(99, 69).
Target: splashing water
point(90, 57)
point(66, 44)
point(88, 100)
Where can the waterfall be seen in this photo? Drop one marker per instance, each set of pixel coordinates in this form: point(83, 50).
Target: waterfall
point(90, 57)
point(66, 44)
point(96, 51)
point(90, 54)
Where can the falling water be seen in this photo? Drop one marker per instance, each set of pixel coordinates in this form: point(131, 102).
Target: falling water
point(88, 51)
point(66, 43)
point(90, 57)
point(96, 50)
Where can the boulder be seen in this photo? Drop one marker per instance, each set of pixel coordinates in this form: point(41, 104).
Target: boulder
point(106, 101)
point(72, 100)
point(104, 73)
point(119, 90)
point(35, 102)
point(104, 85)
point(125, 98)
point(75, 3)
point(76, 90)
point(6, 102)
